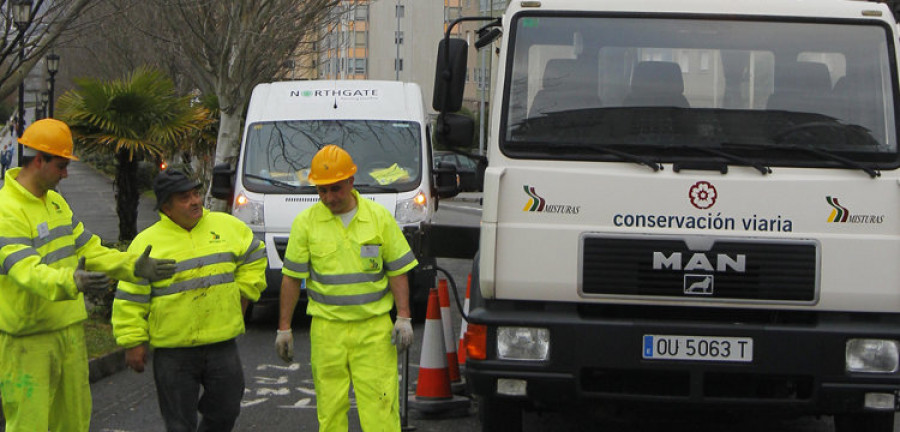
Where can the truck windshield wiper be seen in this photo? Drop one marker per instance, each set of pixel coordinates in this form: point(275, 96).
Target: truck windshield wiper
point(825, 154)
point(729, 156)
point(655, 166)
point(273, 182)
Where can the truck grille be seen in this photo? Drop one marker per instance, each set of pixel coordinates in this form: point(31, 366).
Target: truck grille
point(280, 246)
point(730, 269)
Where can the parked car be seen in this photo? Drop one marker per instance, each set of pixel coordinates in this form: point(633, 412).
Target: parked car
point(470, 177)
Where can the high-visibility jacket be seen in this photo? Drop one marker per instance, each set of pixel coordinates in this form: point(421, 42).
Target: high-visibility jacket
point(218, 262)
point(347, 267)
point(40, 244)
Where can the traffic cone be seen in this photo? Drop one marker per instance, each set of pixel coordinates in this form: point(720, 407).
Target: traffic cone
point(461, 352)
point(456, 383)
point(433, 392)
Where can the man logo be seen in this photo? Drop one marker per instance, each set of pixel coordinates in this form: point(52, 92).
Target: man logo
point(698, 284)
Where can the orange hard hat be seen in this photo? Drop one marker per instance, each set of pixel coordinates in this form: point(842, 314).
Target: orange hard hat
point(49, 136)
point(331, 165)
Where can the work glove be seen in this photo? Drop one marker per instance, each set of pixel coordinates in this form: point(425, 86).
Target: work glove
point(284, 345)
point(402, 335)
point(153, 269)
point(89, 280)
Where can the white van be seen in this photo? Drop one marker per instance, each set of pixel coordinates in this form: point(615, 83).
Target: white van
point(382, 124)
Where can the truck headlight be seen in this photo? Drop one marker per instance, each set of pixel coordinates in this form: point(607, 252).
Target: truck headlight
point(872, 355)
point(412, 210)
point(523, 343)
point(250, 211)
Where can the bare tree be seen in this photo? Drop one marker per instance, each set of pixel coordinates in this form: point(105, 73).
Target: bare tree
point(229, 46)
point(49, 21)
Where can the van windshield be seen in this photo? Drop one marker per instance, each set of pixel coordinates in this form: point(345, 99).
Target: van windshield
point(669, 89)
point(388, 154)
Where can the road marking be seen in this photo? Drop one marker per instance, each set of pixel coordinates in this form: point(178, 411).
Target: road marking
point(248, 403)
point(302, 403)
point(292, 367)
point(271, 381)
point(273, 392)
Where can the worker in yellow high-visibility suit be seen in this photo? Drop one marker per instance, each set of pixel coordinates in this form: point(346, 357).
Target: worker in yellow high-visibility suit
point(192, 319)
point(355, 258)
point(47, 260)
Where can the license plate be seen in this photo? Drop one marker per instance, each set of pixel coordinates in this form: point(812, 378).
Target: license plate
point(703, 348)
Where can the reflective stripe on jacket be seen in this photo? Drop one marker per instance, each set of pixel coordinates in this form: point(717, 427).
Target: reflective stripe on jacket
point(40, 243)
point(347, 267)
point(219, 261)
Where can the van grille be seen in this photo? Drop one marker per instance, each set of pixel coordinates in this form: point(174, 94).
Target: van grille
point(732, 269)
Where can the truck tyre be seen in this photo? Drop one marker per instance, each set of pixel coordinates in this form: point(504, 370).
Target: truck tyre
point(864, 422)
point(499, 415)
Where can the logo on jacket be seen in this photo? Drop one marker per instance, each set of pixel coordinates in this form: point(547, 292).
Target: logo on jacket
point(56, 206)
point(215, 237)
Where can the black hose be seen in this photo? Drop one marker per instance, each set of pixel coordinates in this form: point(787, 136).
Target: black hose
point(455, 293)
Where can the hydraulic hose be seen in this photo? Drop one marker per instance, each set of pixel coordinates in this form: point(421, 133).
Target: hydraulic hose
point(455, 293)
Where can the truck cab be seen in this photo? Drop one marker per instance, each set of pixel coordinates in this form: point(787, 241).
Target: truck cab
point(687, 203)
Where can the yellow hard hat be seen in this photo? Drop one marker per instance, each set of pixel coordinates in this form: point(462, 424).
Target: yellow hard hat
point(331, 165)
point(49, 136)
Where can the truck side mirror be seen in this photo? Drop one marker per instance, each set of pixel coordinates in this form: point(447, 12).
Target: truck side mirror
point(450, 78)
point(446, 180)
point(223, 182)
point(454, 130)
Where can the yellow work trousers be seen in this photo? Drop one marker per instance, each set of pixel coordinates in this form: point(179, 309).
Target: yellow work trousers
point(361, 352)
point(44, 381)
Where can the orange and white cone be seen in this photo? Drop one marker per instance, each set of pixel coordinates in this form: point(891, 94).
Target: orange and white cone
point(433, 392)
point(434, 379)
point(461, 352)
point(449, 344)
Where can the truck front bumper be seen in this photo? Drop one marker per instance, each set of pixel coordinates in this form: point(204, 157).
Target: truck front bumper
point(798, 361)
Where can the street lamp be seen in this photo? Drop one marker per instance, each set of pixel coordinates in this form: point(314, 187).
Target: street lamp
point(21, 17)
point(45, 97)
point(52, 69)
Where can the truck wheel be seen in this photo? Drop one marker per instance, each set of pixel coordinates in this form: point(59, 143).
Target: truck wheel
point(864, 422)
point(498, 415)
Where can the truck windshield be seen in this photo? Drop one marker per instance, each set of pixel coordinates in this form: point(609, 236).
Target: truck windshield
point(657, 86)
point(387, 153)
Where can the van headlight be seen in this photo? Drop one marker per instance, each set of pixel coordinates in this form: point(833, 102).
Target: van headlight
point(412, 210)
point(250, 211)
point(872, 355)
point(523, 343)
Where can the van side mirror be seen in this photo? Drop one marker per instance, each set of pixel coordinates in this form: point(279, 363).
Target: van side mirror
point(454, 130)
point(446, 180)
point(450, 78)
point(223, 182)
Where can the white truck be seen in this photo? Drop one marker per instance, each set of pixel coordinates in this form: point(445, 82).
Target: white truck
point(382, 124)
point(687, 203)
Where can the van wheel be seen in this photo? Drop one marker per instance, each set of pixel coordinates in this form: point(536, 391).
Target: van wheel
point(864, 422)
point(499, 415)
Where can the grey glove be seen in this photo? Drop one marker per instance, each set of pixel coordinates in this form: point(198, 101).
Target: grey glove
point(89, 280)
point(402, 335)
point(153, 269)
point(284, 345)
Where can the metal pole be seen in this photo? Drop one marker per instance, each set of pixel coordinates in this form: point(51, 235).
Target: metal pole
point(404, 392)
point(481, 147)
point(397, 43)
point(20, 122)
point(50, 101)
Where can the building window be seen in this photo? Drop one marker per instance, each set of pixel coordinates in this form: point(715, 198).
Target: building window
point(398, 64)
point(360, 67)
point(360, 38)
point(400, 11)
point(398, 38)
point(361, 12)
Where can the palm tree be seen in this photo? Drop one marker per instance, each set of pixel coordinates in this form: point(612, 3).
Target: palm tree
point(137, 117)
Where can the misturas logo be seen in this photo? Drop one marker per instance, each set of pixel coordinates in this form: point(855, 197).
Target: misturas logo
point(537, 203)
point(841, 214)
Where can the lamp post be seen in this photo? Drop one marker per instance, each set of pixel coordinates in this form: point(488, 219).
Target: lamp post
point(21, 16)
point(45, 97)
point(52, 69)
